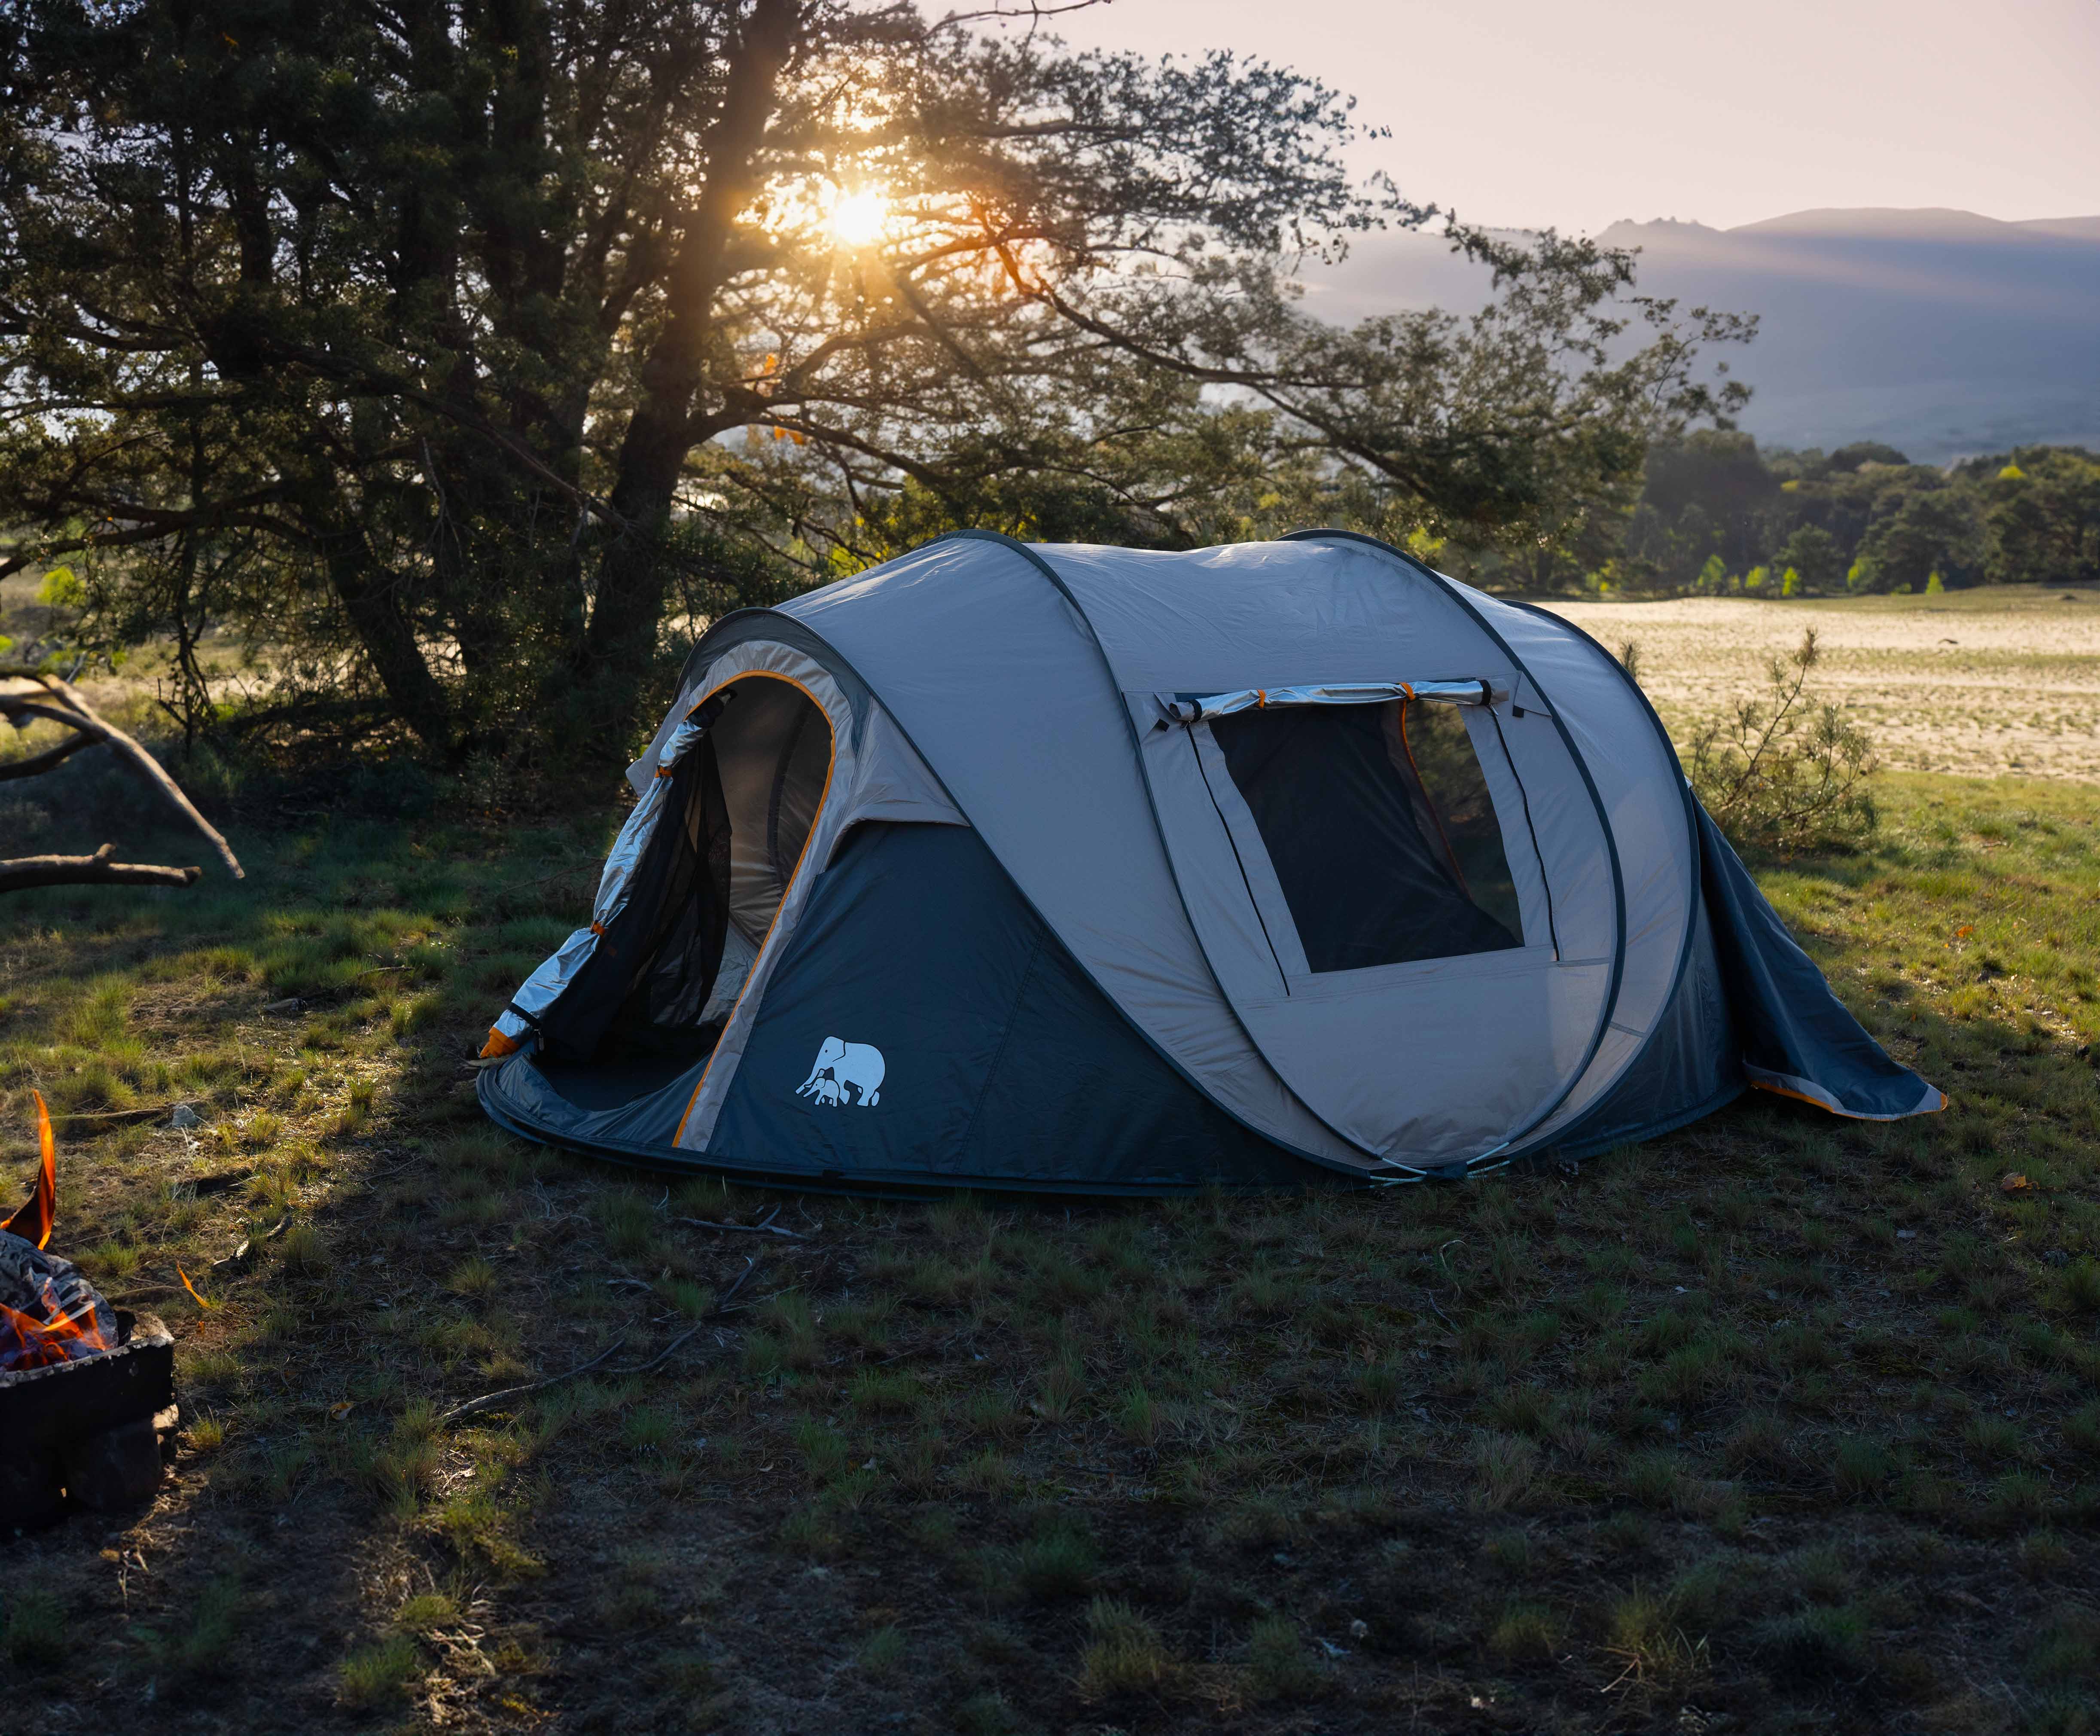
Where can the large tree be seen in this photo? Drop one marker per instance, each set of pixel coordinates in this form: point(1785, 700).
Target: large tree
point(461, 354)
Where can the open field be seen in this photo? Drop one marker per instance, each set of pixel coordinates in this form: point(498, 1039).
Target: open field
point(1978, 683)
point(1782, 1423)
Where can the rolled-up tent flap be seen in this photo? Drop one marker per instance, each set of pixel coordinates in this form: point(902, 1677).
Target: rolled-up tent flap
point(1193, 707)
point(1795, 1036)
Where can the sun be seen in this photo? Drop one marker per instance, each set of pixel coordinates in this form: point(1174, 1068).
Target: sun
point(858, 219)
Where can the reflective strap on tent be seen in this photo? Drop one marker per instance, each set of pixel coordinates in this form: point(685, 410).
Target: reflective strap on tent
point(1197, 708)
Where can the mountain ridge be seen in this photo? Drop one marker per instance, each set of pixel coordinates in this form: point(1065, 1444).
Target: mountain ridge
point(1942, 332)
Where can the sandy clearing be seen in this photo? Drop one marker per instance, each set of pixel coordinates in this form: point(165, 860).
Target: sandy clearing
point(1979, 684)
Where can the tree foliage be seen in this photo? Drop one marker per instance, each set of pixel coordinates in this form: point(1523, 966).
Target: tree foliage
point(1712, 508)
point(460, 358)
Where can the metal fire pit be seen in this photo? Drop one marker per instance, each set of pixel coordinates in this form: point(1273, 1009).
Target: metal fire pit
point(84, 1430)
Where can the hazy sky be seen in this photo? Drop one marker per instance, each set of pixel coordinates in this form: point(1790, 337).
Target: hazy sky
point(1537, 112)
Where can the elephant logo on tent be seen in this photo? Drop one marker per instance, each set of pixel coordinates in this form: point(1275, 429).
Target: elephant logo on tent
point(845, 1073)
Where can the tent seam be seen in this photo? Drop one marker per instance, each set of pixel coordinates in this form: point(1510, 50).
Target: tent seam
point(1006, 1036)
point(1690, 803)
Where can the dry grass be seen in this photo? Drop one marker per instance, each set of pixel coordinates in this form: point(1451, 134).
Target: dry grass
point(1979, 682)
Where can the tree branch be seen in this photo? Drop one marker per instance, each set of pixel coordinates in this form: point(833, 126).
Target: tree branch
point(43, 762)
point(89, 723)
point(23, 871)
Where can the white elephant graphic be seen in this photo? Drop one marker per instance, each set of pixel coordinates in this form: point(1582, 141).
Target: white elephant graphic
point(844, 1067)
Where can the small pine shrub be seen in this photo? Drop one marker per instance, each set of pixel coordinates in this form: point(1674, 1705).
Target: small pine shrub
point(1784, 773)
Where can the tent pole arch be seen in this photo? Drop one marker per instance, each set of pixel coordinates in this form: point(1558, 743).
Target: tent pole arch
point(1689, 802)
point(1589, 783)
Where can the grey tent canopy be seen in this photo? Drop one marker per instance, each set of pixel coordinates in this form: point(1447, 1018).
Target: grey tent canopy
point(1107, 870)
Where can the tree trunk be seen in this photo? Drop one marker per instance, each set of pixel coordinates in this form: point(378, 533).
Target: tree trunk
point(632, 580)
point(372, 599)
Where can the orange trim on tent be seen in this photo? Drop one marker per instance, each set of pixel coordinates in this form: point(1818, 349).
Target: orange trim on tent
point(1832, 1109)
point(822, 796)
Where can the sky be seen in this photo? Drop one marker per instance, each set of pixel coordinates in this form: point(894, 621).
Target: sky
point(1531, 113)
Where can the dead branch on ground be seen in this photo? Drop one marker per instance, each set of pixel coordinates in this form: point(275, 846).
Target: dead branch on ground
point(56, 700)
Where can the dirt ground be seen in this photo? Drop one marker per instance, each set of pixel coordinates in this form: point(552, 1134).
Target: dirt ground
point(1979, 682)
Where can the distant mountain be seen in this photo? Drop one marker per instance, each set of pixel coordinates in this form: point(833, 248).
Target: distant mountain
point(1941, 332)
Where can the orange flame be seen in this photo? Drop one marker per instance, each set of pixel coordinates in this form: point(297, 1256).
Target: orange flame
point(27, 1342)
point(33, 1223)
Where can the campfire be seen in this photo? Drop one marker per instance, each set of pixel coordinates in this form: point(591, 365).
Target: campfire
point(85, 1389)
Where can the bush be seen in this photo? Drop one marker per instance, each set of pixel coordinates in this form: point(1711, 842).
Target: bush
point(1786, 773)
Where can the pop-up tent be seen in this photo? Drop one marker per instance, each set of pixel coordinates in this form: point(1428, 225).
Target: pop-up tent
point(1104, 870)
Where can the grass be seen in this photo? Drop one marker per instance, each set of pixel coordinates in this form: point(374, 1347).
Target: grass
point(1779, 1423)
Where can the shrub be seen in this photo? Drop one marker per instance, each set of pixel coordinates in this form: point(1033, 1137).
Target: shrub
point(1782, 772)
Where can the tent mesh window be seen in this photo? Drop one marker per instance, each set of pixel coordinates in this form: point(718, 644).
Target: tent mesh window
point(1378, 822)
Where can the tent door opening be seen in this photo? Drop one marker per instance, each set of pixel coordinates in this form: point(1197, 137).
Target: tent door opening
point(744, 788)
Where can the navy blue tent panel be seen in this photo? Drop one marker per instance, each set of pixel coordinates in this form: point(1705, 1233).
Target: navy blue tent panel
point(1795, 1036)
point(1690, 1067)
point(999, 1058)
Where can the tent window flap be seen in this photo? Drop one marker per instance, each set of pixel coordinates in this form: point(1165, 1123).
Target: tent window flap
point(1196, 707)
point(1376, 821)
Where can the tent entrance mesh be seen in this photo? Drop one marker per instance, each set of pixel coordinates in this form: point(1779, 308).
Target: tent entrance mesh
point(1378, 822)
point(742, 803)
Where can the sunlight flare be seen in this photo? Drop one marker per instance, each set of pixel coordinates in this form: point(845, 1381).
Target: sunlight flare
point(858, 219)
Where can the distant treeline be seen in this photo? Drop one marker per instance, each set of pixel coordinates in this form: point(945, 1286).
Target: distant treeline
point(1717, 515)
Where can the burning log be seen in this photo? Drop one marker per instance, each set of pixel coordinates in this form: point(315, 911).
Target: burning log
point(49, 1312)
point(83, 1386)
point(59, 701)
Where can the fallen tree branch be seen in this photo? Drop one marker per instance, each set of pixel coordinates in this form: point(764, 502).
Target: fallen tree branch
point(489, 1400)
point(659, 1358)
point(22, 872)
point(79, 715)
point(43, 762)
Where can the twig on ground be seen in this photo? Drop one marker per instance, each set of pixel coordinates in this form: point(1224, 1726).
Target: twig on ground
point(25, 872)
point(764, 1226)
point(660, 1357)
point(729, 1296)
point(489, 1400)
